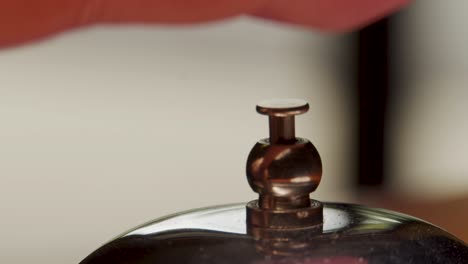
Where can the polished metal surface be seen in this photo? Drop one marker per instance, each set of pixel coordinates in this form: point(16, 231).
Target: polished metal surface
point(282, 107)
point(284, 174)
point(349, 234)
point(281, 114)
point(283, 170)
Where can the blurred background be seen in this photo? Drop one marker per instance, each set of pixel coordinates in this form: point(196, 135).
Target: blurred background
point(105, 128)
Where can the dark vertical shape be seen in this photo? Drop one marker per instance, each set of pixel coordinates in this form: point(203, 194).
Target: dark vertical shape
point(372, 86)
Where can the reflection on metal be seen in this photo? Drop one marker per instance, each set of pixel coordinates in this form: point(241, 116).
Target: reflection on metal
point(335, 219)
point(349, 232)
point(228, 219)
point(231, 219)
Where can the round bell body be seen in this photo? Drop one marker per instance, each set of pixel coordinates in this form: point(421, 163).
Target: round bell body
point(284, 225)
point(349, 234)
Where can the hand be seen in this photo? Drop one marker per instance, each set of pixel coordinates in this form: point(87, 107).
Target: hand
point(26, 20)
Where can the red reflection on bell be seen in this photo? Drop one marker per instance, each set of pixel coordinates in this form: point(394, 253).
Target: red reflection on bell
point(332, 260)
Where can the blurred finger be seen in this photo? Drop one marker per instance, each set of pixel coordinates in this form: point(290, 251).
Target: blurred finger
point(330, 15)
point(24, 20)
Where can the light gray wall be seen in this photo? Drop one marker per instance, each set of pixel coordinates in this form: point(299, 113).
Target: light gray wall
point(430, 116)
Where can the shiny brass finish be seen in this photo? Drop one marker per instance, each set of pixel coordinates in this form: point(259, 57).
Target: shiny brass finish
point(282, 107)
point(272, 226)
point(281, 117)
point(283, 170)
point(284, 174)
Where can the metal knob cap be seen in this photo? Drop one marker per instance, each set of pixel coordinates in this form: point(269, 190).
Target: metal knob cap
point(281, 114)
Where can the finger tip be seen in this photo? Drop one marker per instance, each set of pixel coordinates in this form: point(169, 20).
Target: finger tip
point(330, 15)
